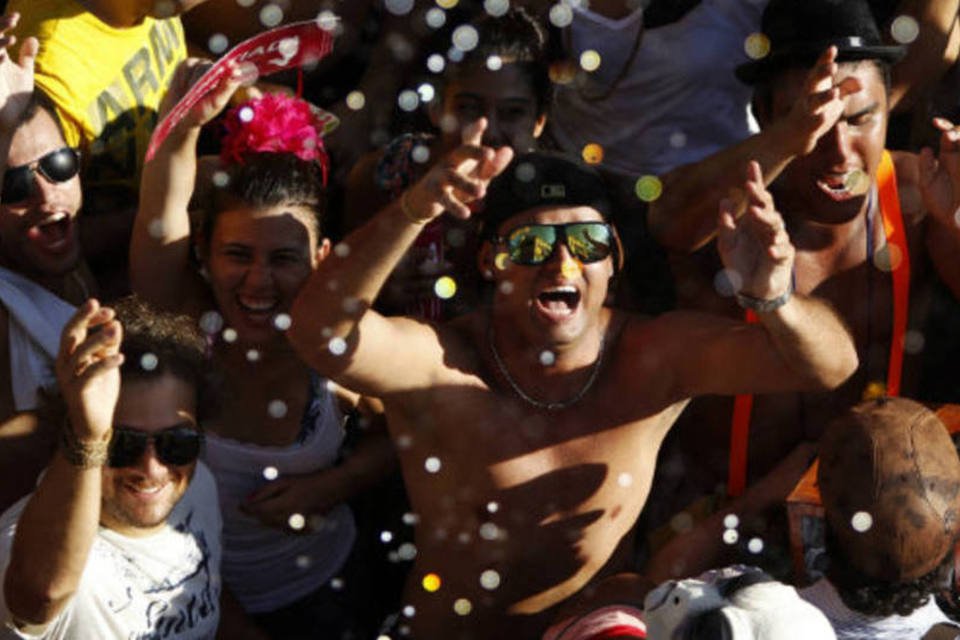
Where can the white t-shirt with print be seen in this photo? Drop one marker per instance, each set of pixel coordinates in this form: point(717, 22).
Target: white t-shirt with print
point(163, 586)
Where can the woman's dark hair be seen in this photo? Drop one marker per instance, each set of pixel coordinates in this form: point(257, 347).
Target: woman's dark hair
point(269, 180)
point(517, 39)
point(877, 598)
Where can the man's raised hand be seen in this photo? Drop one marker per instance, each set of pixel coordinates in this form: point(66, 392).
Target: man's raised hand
point(822, 102)
point(88, 369)
point(459, 179)
point(755, 248)
point(16, 78)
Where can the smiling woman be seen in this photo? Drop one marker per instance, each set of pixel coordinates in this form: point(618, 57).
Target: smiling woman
point(276, 429)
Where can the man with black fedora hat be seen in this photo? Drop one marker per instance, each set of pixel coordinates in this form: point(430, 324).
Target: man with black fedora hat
point(867, 225)
point(528, 430)
point(889, 477)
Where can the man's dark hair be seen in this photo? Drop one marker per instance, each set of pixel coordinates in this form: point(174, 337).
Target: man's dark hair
point(879, 598)
point(269, 180)
point(157, 343)
point(40, 101)
point(517, 39)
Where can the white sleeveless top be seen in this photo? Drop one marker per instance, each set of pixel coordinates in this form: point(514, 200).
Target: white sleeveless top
point(679, 100)
point(266, 568)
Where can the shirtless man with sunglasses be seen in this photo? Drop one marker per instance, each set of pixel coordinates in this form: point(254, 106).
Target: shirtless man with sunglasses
point(42, 276)
point(528, 431)
point(121, 538)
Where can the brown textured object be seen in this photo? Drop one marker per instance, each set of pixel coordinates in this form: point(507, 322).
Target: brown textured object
point(893, 459)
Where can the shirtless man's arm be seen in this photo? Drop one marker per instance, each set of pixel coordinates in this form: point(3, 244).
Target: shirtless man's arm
point(684, 217)
point(336, 300)
point(801, 344)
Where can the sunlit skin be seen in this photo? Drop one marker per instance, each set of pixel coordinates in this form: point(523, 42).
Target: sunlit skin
point(534, 323)
point(257, 261)
point(136, 500)
point(504, 97)
point(812, 183)
point(38, 236)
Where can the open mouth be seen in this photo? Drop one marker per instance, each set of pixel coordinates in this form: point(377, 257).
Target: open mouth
point(54, 234)
point(841, 187)
point(558, 302)
point(257, 306)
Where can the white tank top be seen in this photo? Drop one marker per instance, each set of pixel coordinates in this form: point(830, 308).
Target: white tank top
point(264, 567)
point(679, 100)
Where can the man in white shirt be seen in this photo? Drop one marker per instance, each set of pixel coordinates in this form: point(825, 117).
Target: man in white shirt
point(121, 539)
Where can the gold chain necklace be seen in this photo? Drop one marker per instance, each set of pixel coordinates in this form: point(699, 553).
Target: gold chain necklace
point(540, 404)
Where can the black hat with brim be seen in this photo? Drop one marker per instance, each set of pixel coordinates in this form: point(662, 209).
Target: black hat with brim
point(799, 31)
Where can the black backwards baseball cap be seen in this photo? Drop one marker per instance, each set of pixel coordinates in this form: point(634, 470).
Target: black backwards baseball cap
point(541, 179)
point(800, 30)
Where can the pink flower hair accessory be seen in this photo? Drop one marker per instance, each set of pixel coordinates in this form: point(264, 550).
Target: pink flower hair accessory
point(277, 123)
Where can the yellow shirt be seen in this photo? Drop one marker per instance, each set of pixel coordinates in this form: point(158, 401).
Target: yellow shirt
point(107, 82)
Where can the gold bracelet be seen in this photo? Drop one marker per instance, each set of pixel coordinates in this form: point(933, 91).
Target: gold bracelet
point(85, 455)
point(408, 213)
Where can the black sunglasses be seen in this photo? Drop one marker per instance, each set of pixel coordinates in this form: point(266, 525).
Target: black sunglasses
point(533, 244)
point(173, 446)
point(57, 166)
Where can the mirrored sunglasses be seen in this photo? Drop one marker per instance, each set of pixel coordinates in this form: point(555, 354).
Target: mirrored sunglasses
point(533, 244)
point(173, 446)
point(57, 166)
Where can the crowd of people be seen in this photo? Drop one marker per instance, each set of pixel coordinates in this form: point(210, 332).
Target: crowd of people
point(535, 344)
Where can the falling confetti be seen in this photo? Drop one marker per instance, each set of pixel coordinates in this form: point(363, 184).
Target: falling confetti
point(297, 521)
point(861, 521)
point(590, 60)
point(592, 153)
point(445, 287)
point(282, 321)
point(271, 15)
point(561, 15)
point(230, 335)
point(356, 100)
point(730, 536)
point(426, 92)
point(625, 480)
point(149, 361)
point(462, 607)
point(431, 583)
point(756, 46)
point(755, 545)
point(271, 473)
point(337, 346)
point(731, 521)
point(435, 18)
point(648, 188)
point(398, 7)
point(547, 358)
point(494, 63)
point(432, 464)
point(408, 100)
point(277, 409)
point(436, 63)
point(218, 43)
point(211, 322)
point(489, 579)
point(904, 29)
point(465, 38)
point(496, 8)
point(253, 355)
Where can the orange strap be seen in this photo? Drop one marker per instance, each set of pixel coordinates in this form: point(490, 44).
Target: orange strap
point(898, 252)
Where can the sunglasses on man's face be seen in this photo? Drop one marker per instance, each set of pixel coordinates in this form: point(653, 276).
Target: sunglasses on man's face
point(173, 446)
point(57, 166)
point(533, 244)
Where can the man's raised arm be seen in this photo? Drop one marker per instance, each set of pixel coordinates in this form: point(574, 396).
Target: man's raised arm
point(684, 217)
point(57, 527)
point(798, 342)
point(334, 328)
